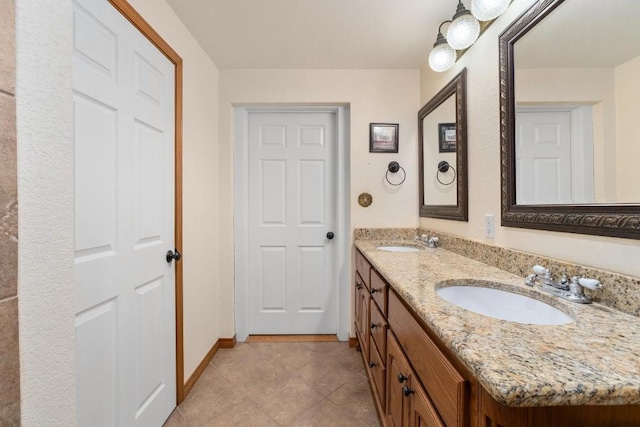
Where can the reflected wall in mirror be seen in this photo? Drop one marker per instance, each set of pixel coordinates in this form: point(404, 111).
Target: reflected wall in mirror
point(570, 92)
point(442, 128)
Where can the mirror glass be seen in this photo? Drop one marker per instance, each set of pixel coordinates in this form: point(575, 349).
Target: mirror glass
point(439, 144)
point(569, 97)
point(442, 152)
point(577, 97)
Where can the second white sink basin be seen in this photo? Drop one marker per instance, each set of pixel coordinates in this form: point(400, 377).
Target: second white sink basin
point(503, 305)
point(398, 248)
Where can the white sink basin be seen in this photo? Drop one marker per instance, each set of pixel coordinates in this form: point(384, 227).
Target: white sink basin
point(398, 248)
point(503, 305)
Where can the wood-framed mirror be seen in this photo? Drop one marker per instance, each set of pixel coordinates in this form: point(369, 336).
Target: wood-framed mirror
point(569, 97)
point(442, 152)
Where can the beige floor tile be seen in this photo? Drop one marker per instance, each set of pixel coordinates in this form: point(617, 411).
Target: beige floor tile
point(285, 402)
point(244, 414)
point(176, 420)
point(258, 378)
point(327, 376)
point(280, 384)
point(327, 414)
point(357, 398)
point(210, 399)
point(324, 347)
point(350, 358)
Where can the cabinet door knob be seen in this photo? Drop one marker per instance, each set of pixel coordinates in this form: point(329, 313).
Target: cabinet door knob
point(401, 377)
point(373, 325)
point(407, 391)
point(359, 287)
point(374, 290)
point(372, 364)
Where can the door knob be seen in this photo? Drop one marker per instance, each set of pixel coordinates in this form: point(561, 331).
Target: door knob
point(173, 255)
point(330, 235)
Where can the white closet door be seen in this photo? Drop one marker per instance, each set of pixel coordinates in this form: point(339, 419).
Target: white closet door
point(124, 215)
point(291, 209)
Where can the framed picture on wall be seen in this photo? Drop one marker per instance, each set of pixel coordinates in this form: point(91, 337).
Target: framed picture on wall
point(447, 137)
point(383, 137)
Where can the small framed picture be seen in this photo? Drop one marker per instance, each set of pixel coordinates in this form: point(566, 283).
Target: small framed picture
point(383, 137)
point(447, 137)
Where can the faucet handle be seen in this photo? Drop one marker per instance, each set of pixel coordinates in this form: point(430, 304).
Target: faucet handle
point(589, 283)
point(540, 270)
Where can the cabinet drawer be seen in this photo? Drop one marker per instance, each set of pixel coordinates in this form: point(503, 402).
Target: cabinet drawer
point(363, 267)
point(379, 291)
point(444, 384)
point(378, 372)
point(378, 328)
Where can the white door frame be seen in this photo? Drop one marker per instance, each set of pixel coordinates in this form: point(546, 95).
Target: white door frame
point(342, 240)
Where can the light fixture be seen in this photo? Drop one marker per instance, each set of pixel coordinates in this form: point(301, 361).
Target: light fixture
point(487, 10)
point(464, 29)
point(442, 56)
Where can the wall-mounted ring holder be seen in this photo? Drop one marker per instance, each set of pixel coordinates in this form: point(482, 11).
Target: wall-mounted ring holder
point(443, 167)
point(394, 167)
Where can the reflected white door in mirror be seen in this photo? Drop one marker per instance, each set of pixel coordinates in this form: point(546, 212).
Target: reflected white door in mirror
point(554, 155)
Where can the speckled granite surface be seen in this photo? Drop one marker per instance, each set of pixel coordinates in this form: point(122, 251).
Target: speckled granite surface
point(620, 291)
point(593, 361)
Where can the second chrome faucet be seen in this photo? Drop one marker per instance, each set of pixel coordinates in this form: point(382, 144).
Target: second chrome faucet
point(569, 289)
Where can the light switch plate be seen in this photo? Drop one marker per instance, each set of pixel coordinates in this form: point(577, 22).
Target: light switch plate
point(489, 226)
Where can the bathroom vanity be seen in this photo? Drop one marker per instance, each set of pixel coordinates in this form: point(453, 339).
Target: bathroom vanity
point(432, 363)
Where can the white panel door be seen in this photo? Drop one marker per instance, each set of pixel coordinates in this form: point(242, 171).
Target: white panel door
point(543, 158)
point(291, 210)
point(123, 94)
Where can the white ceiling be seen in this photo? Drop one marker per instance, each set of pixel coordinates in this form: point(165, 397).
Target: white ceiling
point(316, 34)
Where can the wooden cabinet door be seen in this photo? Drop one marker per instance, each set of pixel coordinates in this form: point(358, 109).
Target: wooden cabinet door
point(397, 377)
point(422, 413)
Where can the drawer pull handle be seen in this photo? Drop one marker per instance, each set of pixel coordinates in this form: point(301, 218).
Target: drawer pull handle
point(372, 364)
point(402, 378)
point(359, 287)
point(374, 290)
point(407, 391)
point(373, 325)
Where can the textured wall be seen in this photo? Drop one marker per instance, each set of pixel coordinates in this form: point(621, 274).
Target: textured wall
point(45, 187)
point(9, 355)
point(483, 106)
point(379, 96)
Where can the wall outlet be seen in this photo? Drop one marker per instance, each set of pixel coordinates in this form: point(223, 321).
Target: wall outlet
point(489, 226)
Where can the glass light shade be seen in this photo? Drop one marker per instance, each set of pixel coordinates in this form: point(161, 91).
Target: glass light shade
point(442, 57)
point(463, 31)
point(486, 10)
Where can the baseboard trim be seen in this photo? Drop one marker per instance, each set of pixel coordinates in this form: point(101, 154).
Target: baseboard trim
point(227, 342)
point(292, 338)
point(353, 342)
point(195, 376)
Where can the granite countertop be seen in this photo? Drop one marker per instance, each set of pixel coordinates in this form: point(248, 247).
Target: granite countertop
point(593, 361)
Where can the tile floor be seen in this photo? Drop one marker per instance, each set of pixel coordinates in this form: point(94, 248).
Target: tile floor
point(281, 384)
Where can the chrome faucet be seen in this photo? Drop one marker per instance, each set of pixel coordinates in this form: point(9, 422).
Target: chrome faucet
point(571, 290)
point(430, 242)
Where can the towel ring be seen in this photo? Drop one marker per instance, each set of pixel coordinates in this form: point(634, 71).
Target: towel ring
point(394, 167)
point(444, 167)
